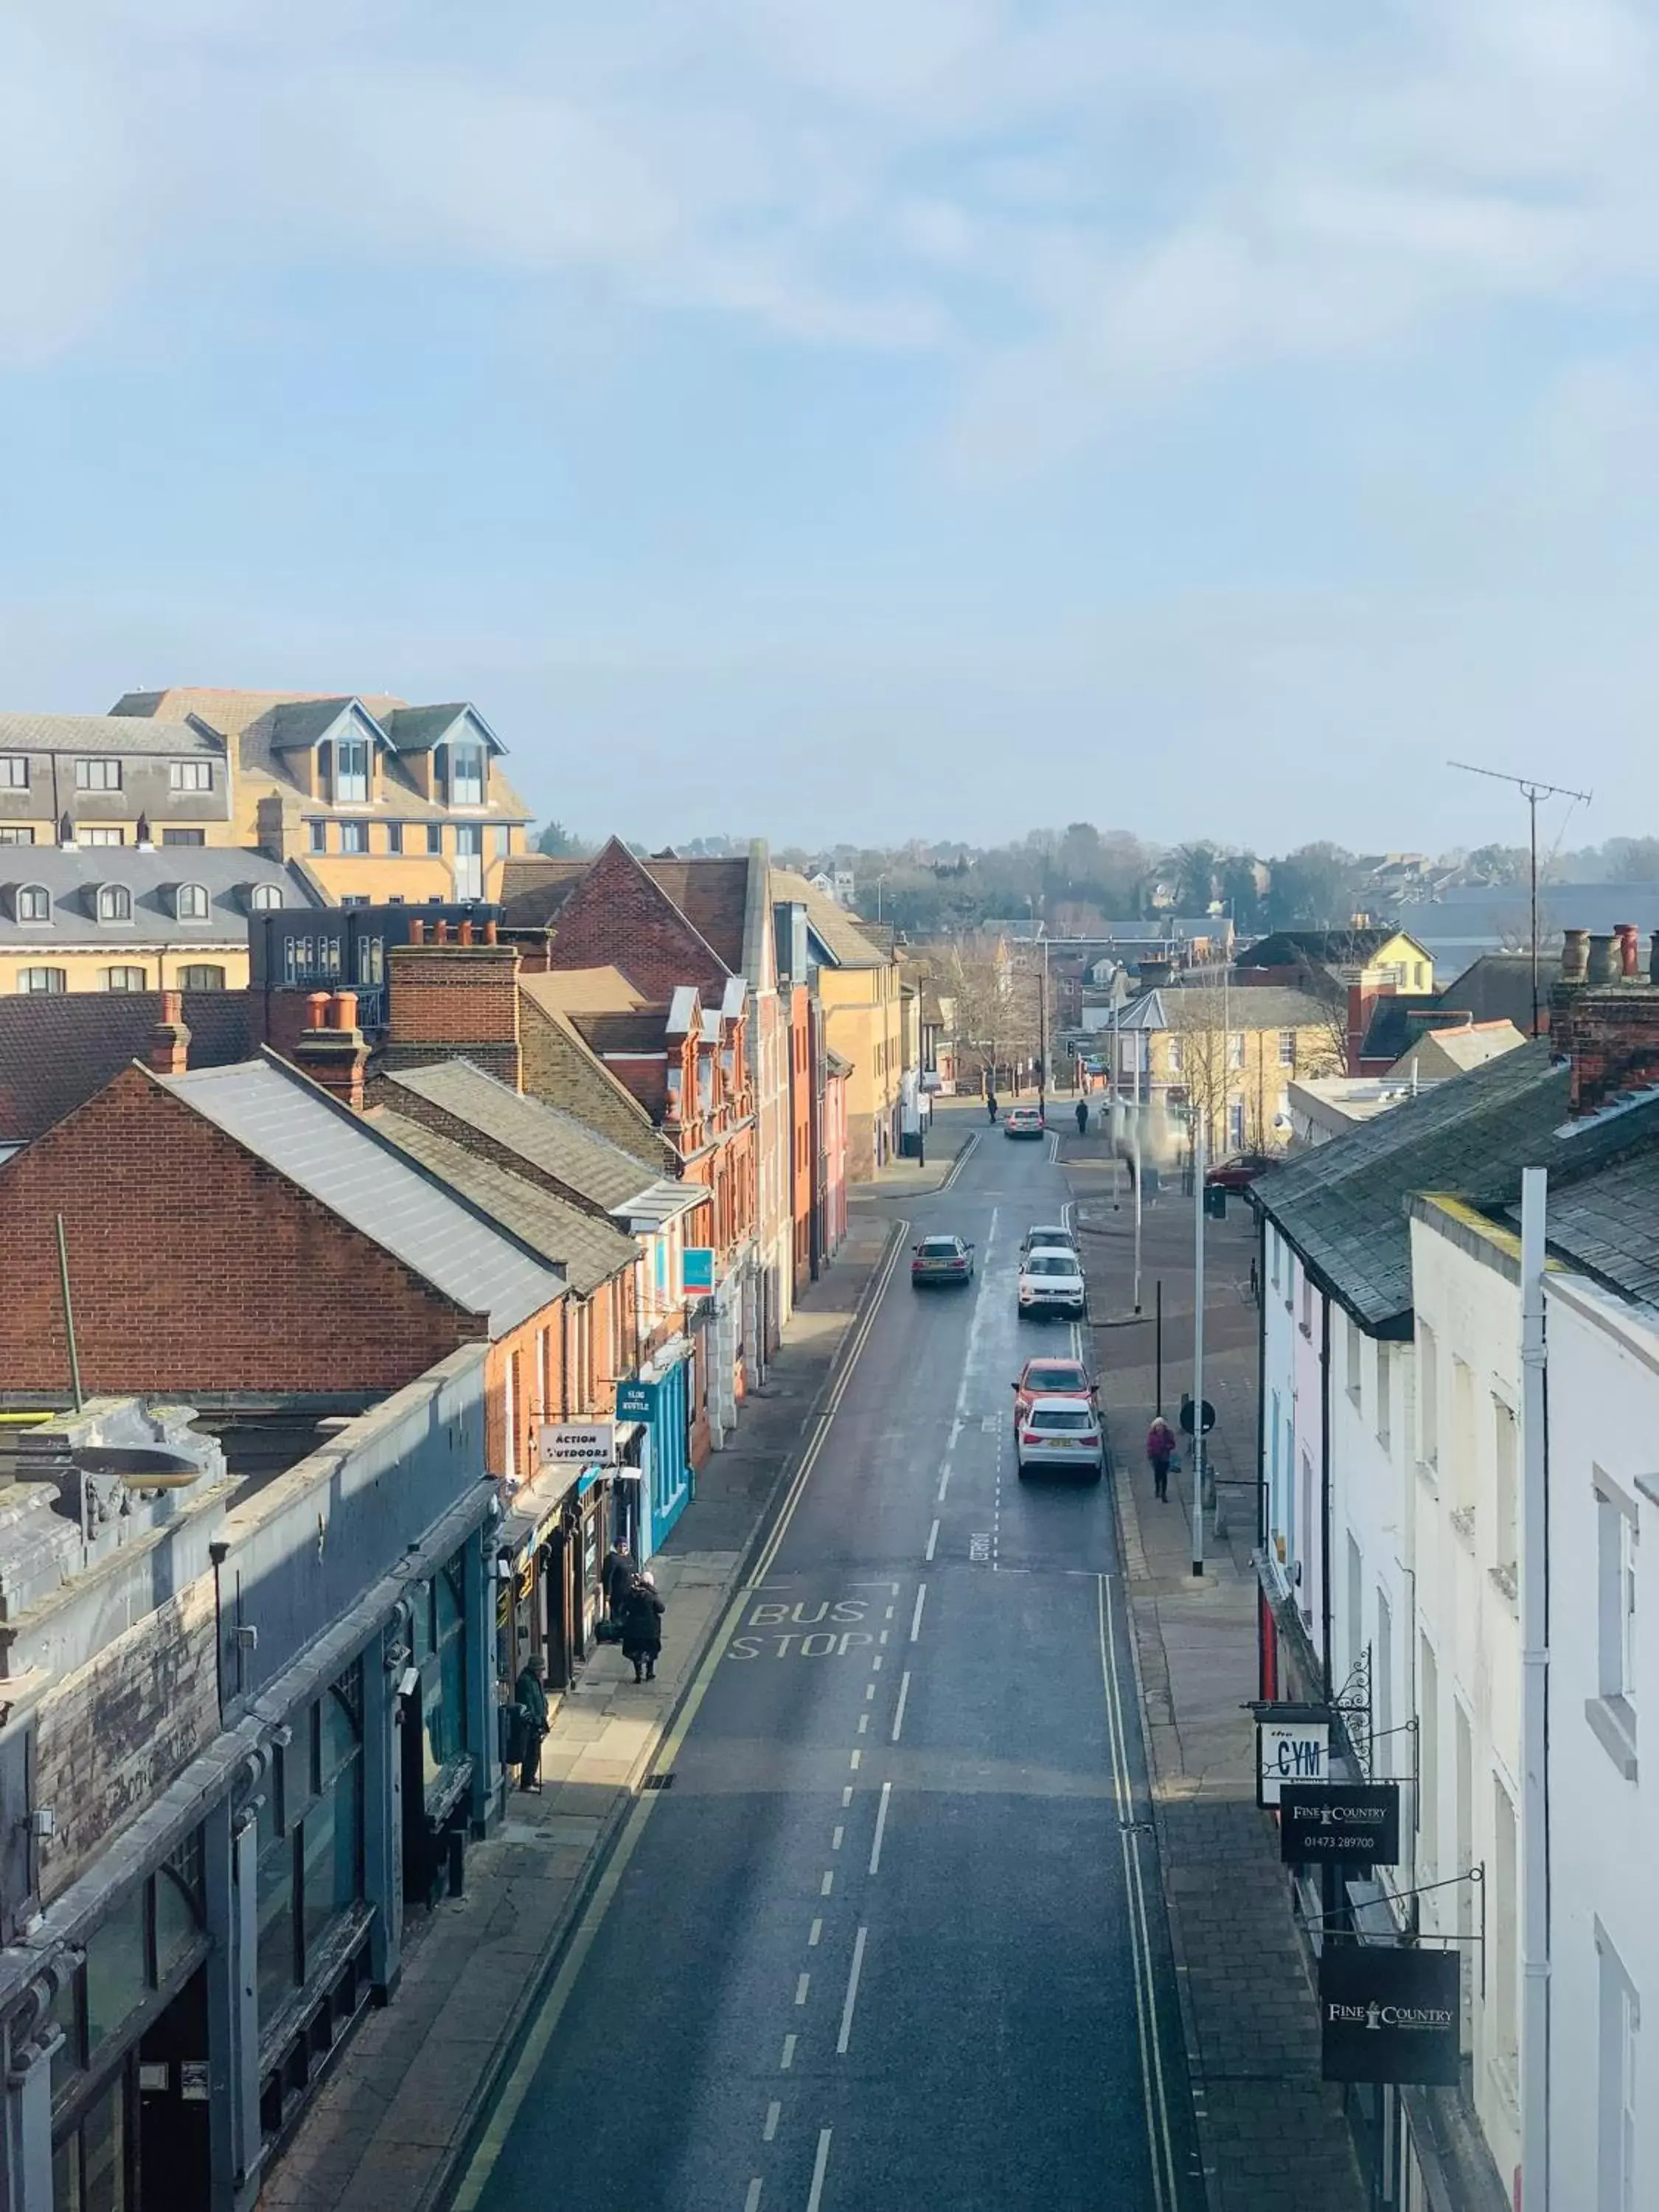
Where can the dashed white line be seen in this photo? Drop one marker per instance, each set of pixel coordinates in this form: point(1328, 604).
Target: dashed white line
point(932, 1539)
point(857, 1761)
point(864, 1723)
point(802, 1982)
point(875, 1663)
point(835, 1835)
point(774, 2111)
point(915, 1618)
point(751, 2203)
point(881, 1826)
point(847, 1795)
point(869, 1691)
point(788, 2057)
point(820, 2166)
point(891, 1612)
point(846, 2035)
point(883, 1636)
point(898, 1714)
point(827, 1883)
point(944, 1485)
point(813, 1935)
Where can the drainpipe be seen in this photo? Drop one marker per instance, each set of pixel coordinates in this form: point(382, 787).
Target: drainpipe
point(1325, 1492)
point(1534, 1704)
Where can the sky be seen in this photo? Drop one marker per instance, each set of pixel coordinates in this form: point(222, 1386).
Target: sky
point(859, 419)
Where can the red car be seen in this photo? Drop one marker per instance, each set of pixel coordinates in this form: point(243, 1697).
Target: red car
point(1238, 1173)
point(1052, 1378)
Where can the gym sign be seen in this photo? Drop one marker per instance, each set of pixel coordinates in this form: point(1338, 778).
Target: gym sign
point(1356, 1823)
point(1389, 2014)
point(1293, 1744)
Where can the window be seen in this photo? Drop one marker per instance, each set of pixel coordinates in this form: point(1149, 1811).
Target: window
point(184, 836)
point(1355, 1604)
point(1272, 1258)
point(1382, 1737)
point(1620, 2020)
point(1235, 1049)
point(1506, 1974)
point(263, 897)
point(319, 836)
point(189, 776)
point(466, 775)
point(441, 1654)
point(98, 775)
point(1287, 1047)
point(1307, 1305)
point(1384, 1398)
point(1421, 975)
point(15, 833)
point(1463, 1439)
point(33, 903)
point(104, 837)
point(501, 843)
point(350, 770)
point(192, 902)
point(1353, 1343)
point(1428, 1395)
point(1506, 1532)
point(1236, 1125)
point(1615, 1587)
point(469, 861)
point(42, 979)
point(1428, 1760)
point(202, 979)
point(114, 902)
point(1177, 1056)
point(435, 836)
point(126, 979)
point(394, 836)
point(14, 772)
point(354, 836)
point(118, 1967)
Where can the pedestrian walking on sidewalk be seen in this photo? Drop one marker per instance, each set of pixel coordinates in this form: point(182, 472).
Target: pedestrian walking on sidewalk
point(643, 1628)
point(1083, 1117)
point(1160, 1451)
point(616, 1578)
point(532, 1703)
point(990, 1105)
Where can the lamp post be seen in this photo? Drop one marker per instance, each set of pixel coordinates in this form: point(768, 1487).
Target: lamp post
point(1198, 1347)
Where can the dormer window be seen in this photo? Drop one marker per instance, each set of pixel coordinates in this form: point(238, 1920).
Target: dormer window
point(264, 896)
point(98, 775)
point(189, 776)
point(466, 775)
point(350, 771)
point(34, 903)
point(114, 902)
point(191, 902)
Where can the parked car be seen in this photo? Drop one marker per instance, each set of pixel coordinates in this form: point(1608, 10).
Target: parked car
point(1063, 1433)
point(1021, 1121)
point(1052, 1378)
point(1240, 1173)
point(941, 1260)
point(1048, 1236)
point(933, 1082)
point(1051, 1282)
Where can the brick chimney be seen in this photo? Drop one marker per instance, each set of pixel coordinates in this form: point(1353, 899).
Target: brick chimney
point(1604, 1017)
point(169, 1041)
point(330, 1048)
point(446, 998)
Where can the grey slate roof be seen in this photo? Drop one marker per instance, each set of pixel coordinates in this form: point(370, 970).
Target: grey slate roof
point(419, 729)
point(1344, 1207)
point(335, 1155)
point(1250, 1007)
point(590, 1251)
point(1608, 1225)
point(72, 874)
point(98, 735)
point(556, 1142)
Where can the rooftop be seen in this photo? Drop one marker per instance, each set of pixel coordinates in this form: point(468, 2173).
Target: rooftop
point(73, 875)
point(556, 1142)
point(57, 1048)
point(104, 735)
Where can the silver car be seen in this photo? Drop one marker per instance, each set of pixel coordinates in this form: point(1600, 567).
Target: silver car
point(1046, 1236)
point(1063, 1433)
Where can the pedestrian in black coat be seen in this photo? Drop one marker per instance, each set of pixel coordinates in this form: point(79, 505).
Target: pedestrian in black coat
point(616, 1578)
point(642, 1629)
point(532, 1703)
point(1083, 1117)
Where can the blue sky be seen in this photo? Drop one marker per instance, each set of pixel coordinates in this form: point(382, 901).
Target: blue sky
point(857, 418)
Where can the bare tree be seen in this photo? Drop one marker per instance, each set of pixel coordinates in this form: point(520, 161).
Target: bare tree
point(995, 1008)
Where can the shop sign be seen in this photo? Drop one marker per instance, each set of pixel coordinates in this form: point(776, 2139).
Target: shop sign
point(697, 1262)
point(1387, 2015)
point(1355, 1822)
point(1293, 1744)
point(579, 1443)
point(637, 1402)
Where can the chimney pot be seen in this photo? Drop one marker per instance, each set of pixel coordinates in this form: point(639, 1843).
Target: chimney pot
point(463, 934)
point(1604, 965)
point(173, 1006)
point(441, 934)
point(1575, 954)
point(1630, 954)
point(342, 1011)
point(317, 1010)
point(492, 935)
point(1653, 959)
point(417, 933)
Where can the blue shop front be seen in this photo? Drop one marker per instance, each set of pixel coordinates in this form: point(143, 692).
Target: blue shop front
point(660, 1402)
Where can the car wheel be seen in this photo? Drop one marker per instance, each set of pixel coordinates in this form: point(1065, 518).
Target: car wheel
point(1019, 1467)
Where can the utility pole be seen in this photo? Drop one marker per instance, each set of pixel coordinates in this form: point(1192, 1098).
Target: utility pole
point(1198, 1348)
point(1532, 793)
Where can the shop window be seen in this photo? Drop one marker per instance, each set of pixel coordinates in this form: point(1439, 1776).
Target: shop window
point(118, 1977)
point(70, 2014)
point(278, 1964)
point(443, 1680)
point(90, 2168)
point(180, 1907)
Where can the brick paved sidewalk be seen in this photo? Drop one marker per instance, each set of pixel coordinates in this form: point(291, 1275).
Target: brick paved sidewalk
point(388, 2129)
point(1271, 2135)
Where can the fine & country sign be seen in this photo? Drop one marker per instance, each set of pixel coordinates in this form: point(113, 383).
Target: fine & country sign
point(1355, 1823)
point(579, 1443)
point(1389, 2014)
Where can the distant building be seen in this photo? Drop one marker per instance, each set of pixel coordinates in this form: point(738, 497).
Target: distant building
point(97, 780)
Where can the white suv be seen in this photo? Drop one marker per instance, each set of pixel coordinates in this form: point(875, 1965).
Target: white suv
point(1051, 1282)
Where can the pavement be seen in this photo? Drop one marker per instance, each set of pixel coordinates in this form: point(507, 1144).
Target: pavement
point(1271, 2135)
point(387, 2128)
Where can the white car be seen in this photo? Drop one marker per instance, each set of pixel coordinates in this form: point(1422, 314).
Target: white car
point(1063, 1433)
point(1046, 1236)
point(1051, 1282)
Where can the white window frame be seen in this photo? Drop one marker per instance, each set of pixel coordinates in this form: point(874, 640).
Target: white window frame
point(266, 898)
point(351, 786)
point(468, 785)
point(354, 838)
point(1235, 1049)
point(185, 902)
point(1287, 1047)
point(97, 833)
point(114, 902)
point(28, 896)
point(27, 981)
point(1619, 2023)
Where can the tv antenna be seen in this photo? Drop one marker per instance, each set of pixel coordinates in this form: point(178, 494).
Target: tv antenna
point(1532, 792)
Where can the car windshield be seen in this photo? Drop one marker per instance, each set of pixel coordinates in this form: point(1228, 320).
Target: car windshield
point(1051, 1263)
point(938, 1247)
point(1054, 1417)
point(1057, 1378)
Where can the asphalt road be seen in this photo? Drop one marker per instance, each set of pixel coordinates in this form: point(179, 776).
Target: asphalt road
point(892, 1937)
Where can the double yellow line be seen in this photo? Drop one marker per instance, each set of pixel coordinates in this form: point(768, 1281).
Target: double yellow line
point(1165, 2192)
point(831, 1406)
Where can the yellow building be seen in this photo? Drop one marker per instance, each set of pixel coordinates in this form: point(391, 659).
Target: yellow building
point(1366, 953)
point(855, 971)
point(1226, 1058)
point(383, 801)
point(141, 918)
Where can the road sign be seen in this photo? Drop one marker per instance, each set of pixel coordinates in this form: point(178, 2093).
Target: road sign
point(579, 1443)
point(1186, 1415)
